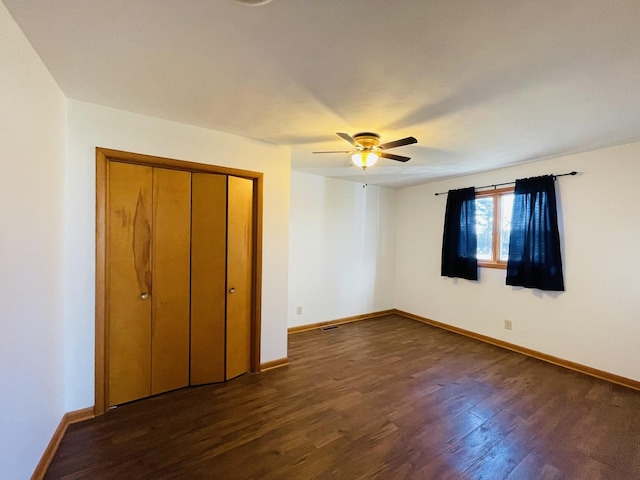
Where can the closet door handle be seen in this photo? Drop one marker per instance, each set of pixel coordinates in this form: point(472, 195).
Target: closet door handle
point(232, 290)
point(144, 296)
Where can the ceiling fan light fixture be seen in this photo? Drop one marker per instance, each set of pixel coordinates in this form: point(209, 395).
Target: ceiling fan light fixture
point(364, 159)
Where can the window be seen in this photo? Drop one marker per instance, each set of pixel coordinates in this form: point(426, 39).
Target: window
point(493, 226)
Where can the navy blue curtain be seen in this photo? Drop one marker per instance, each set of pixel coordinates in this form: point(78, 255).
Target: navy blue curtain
point(534, 244)
point(459, 241)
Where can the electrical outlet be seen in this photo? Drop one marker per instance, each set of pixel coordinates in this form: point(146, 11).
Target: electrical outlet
point(508, 324)
point(298, 310)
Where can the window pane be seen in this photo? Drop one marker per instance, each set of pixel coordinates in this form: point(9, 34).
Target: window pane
point(484, 227)
point(506, 207)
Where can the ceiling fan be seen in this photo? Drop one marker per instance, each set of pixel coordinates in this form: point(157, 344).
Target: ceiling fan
point(367, 148)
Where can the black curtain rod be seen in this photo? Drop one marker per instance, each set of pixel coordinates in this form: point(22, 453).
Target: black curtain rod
point(509, 183)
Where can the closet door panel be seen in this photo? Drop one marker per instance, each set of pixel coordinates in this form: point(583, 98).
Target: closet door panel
point(171, 280)
point(128, 349)
point(208, 277)
point(239, 275)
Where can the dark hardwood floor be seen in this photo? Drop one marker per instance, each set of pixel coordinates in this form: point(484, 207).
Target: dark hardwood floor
point(388, 398)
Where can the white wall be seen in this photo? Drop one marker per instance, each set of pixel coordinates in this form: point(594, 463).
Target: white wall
point(341, 251)
point(596, 321)
point(92, 126)
point(32, 146)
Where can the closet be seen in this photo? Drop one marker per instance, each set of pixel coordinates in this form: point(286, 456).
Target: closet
point(179, 268)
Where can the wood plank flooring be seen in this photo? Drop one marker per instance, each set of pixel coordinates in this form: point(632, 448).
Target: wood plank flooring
point(389, 398)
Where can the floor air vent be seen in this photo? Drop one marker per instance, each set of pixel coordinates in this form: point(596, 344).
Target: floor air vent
point(331, 327)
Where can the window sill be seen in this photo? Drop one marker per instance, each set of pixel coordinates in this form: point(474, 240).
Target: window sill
point(501, 266)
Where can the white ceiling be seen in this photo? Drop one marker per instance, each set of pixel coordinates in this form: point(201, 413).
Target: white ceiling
point(480, 83)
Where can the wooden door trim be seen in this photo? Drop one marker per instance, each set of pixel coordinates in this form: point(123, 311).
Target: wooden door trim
point(161, 162)
point(103, 157)
point(102, 195)
point(257, 276)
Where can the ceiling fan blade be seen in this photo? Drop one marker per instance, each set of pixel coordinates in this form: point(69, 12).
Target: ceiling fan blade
point(391, 156)
point(347, 138)
point(398, 143)
point(335, 151)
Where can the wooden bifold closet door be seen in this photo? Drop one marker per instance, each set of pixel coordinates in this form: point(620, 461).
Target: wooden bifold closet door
point(149, 283)
point(221, 277)
point(129, 314)
point(208, 278)
point(170, 258)
point(179, 282)
point(239, 276)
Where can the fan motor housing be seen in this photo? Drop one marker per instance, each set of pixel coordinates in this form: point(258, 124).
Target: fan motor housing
point(368, 140)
